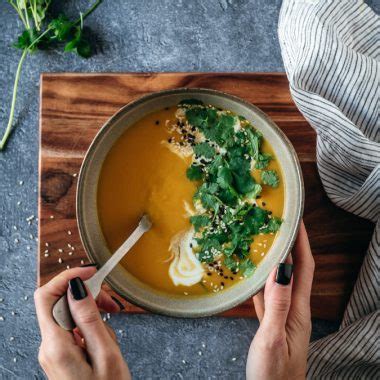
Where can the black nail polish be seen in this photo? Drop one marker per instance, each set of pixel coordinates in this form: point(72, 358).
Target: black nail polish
point(77, 289)
point(90, 265)
point(122, 307)
point(284, 273)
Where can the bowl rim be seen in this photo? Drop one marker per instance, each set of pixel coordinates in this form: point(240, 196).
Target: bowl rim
point(183, 90)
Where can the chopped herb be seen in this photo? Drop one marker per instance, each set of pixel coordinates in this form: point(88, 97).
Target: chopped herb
point(270, 178)
point(225, 228)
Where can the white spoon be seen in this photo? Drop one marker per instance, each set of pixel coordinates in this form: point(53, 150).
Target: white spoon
point(61, 311)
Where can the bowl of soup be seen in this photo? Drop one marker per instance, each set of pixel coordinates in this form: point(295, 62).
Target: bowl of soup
point(221, 184)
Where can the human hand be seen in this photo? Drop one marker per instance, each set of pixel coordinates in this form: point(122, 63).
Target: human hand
point(279, 348)
point(91, 350)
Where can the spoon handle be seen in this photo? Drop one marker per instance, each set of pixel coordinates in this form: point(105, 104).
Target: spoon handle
point(61, 311)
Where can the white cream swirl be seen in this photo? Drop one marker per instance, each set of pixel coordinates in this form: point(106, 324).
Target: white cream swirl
point(185, 268)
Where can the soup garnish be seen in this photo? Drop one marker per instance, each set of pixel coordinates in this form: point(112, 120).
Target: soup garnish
point(225, 149)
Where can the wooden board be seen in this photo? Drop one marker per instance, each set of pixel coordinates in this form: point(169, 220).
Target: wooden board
point(75, 106)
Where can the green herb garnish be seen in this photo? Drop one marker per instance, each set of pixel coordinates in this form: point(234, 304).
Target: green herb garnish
point(227, 190)
point(39, 34)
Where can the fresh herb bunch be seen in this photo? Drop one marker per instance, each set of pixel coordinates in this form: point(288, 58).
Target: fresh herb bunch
point(227, 190)
point(41, 33)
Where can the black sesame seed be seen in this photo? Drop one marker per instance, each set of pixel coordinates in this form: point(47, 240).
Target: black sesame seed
point(157, 122)
point(226, 277)
point(231, 278)
point(222, 283)
point(258, 197)
point(264, 204)
point(270, 212)
point(208, 274)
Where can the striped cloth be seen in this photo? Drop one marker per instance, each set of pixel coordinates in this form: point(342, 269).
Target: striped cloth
point(331, 53)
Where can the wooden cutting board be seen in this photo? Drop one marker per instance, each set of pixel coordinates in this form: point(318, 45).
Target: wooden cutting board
point(75, 106)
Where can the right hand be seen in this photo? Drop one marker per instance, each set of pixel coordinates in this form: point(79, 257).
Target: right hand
point(279, 349)
point(91, 350)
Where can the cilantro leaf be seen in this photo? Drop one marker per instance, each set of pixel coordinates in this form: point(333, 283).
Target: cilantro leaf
point(199, 221)
point(270, 178)
point(247, 267)
point(273, 225)
point(263, 160)
point(205, 150)
point(194, 173)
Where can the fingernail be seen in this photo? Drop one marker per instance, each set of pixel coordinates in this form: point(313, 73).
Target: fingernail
point(77, 289)
point(284, 273)
point(90, 265)
point(122, 307)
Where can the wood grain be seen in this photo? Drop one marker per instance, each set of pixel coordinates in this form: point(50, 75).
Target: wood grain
point(75, 106)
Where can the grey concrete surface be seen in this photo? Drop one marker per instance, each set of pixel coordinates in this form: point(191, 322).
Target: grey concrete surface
point(134, 35)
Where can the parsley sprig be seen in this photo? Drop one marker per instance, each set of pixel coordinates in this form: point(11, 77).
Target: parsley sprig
point(227, 190)
point(40, 34)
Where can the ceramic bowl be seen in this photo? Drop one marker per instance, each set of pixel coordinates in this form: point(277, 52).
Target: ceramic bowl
point(125, 283)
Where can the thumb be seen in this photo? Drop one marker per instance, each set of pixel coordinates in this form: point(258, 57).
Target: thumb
point(87, 317)
point(277, 297)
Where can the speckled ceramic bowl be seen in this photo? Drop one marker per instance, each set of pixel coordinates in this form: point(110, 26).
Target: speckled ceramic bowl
point(125, 283)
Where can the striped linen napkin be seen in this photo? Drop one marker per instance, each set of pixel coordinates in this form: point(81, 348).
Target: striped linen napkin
point(331, 53)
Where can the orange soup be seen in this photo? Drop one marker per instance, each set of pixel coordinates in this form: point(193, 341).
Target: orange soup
point(147, 171)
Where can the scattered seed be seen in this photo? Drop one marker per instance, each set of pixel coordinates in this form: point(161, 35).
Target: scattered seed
point(16, 241)
point(67, 266)
point(18, 203)
point(28, 247)
point(15, 228)
point(46, 255)
point(46, 244)
point(183, 361)
point(69, 232)
point(60, 250)
point(21, 183)
point(14, 360)
point(1, 318)
point(26, 298)
point(200, 353)
point(70, 253)
point(60, 260)
point(75, 174)
point(233, 359)
point(51, 216)
point(11, 338)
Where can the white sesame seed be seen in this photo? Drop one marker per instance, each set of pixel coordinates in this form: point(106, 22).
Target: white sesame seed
point(51, 216)
point(104, 319)
point(18, 203)
point(31, 236)
point(68, 267)
point(13, 313)
point(28, 247)
point(69, 232)
point(60, 250)
point(75, 174)
point(60, 260)
point(183, 361)
point(15, 228)
point(46, 254)
point(233, 359)
point(200, 353)
point(46, 251)
point(82, 262)
point(14, 360)
point(26, 298)
point(1, 299)
point(16, 241)
point(46, 244)
point(70, 253)
point(11, 338)
point(1, 318)
point(203, 345)
point(186, 293)
point(21, 183)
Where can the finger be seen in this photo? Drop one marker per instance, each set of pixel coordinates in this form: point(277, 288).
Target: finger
point(110, 332)
point(107, 303)
point(303, 271)
point(258, 301)
point(277, 297)
point(88, 320)
point(46, 296)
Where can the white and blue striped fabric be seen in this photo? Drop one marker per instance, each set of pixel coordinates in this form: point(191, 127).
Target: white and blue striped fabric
point(331, 53)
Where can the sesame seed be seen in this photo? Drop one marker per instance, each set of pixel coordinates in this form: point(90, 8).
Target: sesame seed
point(18, 203)
point(28, 247)
point(16, 241)
point(1, 318)
point(82, 262)
point(21, 183)
point(60, 250)
point(26, 298)
point(46, 244)
point(185, 293)
point(14, 360)
point(75, 174)
point(70, 253)
point(60, 260)
point(1, 299)
point(200, 353)
point(183, 361)
point(233, 359)
point(15, 228)
point(51, 216)
point(203, 345)
point(46, 254)
point(67, 266)
point(11, 338)
point(69, 232)
point(13, 313)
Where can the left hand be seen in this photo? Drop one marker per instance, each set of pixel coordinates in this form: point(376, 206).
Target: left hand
point(91, 350)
